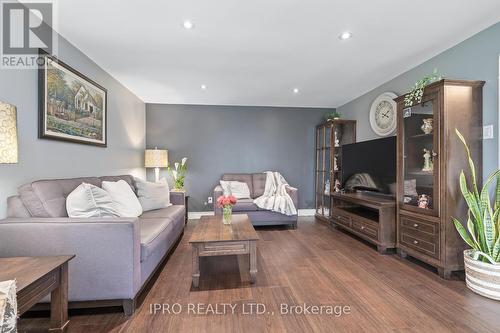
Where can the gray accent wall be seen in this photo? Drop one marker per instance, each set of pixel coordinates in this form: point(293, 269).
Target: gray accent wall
point(476, 58)
point(39, 159)
point(229, 139)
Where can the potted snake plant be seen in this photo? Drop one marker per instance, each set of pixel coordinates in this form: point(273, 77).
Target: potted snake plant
point(482, 261)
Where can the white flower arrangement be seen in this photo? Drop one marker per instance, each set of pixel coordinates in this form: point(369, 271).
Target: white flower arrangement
point(179, 173)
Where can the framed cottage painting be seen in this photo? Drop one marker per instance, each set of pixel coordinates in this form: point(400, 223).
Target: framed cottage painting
point(72, 107)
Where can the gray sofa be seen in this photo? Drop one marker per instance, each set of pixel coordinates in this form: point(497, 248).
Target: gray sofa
point(256, 183)
point(115, 257)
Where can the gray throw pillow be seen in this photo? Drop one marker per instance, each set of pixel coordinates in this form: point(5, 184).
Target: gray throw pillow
point(153, 195)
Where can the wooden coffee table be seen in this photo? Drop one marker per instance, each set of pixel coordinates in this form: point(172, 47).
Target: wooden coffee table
point(36, 277)
point(211, 237)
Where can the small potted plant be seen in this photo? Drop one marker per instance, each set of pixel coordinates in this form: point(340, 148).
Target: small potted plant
point(334, 115)
point(226, 202)
point(482, 261)
point(179, 174)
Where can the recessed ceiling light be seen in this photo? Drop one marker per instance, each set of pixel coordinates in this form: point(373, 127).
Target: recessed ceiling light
point(295, 90)
point(345, 35)
point(203, 87)
point(188, 24)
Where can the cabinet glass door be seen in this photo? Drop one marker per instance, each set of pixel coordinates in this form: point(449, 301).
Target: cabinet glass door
point(327, 149)
point(323, 162)
point(420, 147)
point(320, 142)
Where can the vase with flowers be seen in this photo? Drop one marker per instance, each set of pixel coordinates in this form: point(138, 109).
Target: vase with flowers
point(179, 174)
point(226, 202)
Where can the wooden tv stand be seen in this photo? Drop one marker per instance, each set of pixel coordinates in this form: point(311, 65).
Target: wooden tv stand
point(368, 216)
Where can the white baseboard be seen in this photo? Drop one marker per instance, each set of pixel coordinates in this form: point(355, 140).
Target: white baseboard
point(197, 215)
point(307, 212)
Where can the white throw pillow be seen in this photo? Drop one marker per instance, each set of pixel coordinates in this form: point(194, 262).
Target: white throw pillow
point(240, 190)
point(226, 189)
point(153, 195)
point(126, 202)
point(88, 200)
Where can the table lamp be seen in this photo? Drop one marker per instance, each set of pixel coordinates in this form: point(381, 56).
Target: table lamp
point(8, 133)
point(156, 158)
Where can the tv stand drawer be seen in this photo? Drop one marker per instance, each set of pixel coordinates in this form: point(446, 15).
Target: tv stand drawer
point(341, 218)
point(365, 229)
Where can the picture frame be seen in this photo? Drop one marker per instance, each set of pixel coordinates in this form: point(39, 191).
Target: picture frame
point(72, 107)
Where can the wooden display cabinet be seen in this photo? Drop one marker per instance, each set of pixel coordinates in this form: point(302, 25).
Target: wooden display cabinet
point(329, 155)
point(429, 195)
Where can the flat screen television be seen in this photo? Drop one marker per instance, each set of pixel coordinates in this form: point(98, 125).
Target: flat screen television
point(376, 158)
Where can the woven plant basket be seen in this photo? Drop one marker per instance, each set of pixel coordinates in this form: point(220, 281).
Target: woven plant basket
point(481, 277)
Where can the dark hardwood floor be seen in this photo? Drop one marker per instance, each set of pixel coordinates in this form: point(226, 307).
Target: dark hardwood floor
point(314, 264)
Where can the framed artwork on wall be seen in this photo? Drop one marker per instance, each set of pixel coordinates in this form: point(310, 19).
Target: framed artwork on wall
point(72, 107)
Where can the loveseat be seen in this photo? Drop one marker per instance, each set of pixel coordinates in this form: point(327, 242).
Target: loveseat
point(260, 217)
point(115, 257)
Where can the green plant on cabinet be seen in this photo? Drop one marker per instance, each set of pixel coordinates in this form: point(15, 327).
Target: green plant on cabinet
point(415, 95)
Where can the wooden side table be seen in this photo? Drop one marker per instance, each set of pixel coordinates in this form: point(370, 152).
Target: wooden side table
point(186, 201)
point(36, 277)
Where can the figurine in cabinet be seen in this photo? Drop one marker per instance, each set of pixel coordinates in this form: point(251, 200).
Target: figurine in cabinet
point(427, 126)
point(428, 165)
point(337, 139)
point(423, 201)
point(337, 186)
point(335, 165)
point(327, 186)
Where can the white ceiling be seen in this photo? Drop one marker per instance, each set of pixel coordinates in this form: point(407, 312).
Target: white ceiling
point(255, 52)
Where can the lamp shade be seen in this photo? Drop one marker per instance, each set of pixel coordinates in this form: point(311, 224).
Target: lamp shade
point(8, 133)
point(156, 158)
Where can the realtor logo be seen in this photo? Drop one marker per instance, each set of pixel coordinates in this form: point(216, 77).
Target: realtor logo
point(26, 27)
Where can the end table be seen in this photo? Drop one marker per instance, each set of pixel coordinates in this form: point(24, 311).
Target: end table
point(186, 201)
point(36, 277)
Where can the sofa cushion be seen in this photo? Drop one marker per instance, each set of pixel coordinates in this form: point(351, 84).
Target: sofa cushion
point(259, 184)
point(245, 205)
point(174, 212)
point(154, 232)
point(47, 198)
point(16, 208)
point(240, 177)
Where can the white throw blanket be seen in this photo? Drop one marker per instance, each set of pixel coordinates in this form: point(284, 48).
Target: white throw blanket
point(275, 197)
point(8, 307)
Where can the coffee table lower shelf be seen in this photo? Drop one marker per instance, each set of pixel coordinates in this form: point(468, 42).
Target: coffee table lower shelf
point(213, 238)
point(210, 249)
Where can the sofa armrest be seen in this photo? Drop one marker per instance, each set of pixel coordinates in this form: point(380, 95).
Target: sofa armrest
point(107, 262)
point(218, 191)
point(294, 194)
point(177, 197)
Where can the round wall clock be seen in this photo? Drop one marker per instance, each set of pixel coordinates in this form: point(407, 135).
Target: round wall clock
point(383, 117)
